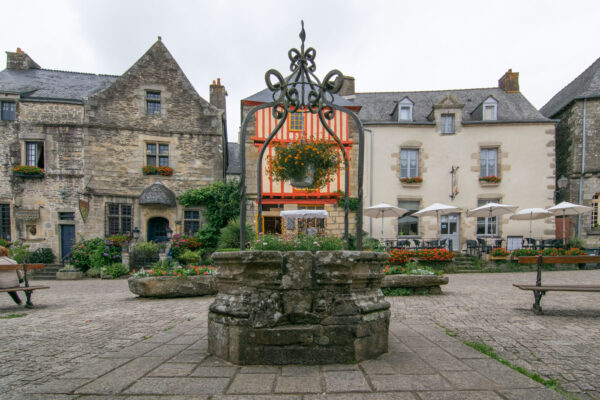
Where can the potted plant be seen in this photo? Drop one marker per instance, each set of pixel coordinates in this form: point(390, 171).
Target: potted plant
point(490, 179)
point(306, 164)
point(152, 170)
point(412, 181)
point(410, 277)
point(26, 171)
point(499, 254)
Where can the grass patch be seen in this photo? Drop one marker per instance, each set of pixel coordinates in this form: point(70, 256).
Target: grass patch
point(11, 316)
point(169, 328)
point(146, 337)
point(489, 351)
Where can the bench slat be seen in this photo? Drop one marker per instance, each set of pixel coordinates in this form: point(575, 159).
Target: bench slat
point(14, 267)
point(560, 288)
point(560, 259)
point(24, 289)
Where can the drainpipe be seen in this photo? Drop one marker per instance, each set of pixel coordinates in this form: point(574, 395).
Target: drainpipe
point(370, 181)
point(582, 167)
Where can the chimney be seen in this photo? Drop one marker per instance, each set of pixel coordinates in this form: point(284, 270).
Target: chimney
point(19, 60)
point(218, 94)
point(347, 87)
point(509, 82)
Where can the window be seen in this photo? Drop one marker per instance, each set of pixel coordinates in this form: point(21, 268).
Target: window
point(408, 224)
point(67, 216)
point(409, 163)
point(119, 219)
point(595, 206)
point(157, 154)
point(5, 221)
point(487, 226)
point(405, 110)
point(447, 124)
point(489, 162)
point(490, 109)
point(296, 122)
point(153, 102)
point(34, 154)
point(304, 224)
point(191, 221)
point(8, 110)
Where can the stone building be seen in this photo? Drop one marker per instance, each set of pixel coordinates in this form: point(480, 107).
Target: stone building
point(577, 107)
point(93, 135)
point(465, 148)
point(281, 196)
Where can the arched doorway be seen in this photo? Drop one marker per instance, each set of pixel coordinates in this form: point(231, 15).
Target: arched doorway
point(157, 229)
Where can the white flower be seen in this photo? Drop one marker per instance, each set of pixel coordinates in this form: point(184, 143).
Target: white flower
point(265, 243)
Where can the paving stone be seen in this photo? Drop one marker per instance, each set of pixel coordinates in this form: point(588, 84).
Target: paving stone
point(462, 395)
point(377, 367)
point(408, 363)
point(260, 369)
point(339, 367)
point(362, 396)
point(95, 369)
point(468, 380)
point(212, 361)
point(346, 381)
point(179, 386)
point(258, 397)
point(56, 386)
point(214, 371)
point(298, 384)
point(252, 384)
point(166, 351)
point(190, 356)
point(117, 380)
point(531, 394)
point(386, 383)
point(185, 339)
point(300, 370)
point(172, 369)
point(502, 375)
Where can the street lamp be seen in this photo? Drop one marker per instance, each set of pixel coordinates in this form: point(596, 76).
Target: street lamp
point(136, 233)
point(563, 182)
point(169, 233)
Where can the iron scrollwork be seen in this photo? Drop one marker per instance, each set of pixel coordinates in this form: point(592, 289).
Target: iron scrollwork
point(302, 90)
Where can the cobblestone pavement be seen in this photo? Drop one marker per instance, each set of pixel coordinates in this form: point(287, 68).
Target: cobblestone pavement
point(94, 339)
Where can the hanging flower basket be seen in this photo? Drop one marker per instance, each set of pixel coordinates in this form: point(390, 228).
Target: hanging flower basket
point(306, 164)
point(25, 171)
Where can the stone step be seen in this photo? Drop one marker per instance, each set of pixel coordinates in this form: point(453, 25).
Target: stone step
point(48, 273)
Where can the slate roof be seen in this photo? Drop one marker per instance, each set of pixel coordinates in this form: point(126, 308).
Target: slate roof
point(46, 84)
point(265, 96)
point(234, 166)
point(586, 85)
point(512, 107)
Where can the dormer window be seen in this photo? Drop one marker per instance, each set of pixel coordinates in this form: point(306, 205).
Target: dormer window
point(405, 110)
point(152, 102)
point(490, 109)
point(447, 124)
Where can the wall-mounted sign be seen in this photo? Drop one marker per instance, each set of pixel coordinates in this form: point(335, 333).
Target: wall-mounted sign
point(27, 215)
point(84, 209)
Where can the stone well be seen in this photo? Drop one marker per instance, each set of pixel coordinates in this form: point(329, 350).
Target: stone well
point(298, 307)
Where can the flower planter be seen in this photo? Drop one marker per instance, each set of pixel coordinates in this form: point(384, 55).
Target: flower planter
point(498, 258)
point(173, 286)
point(298, 307)
point(417, 283)
point(411, 185)
point(488, 184)
point(308, 180)
point(28, 176)
point(69, 274)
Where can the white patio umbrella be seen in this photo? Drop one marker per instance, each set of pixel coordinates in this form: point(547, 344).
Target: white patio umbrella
point(437, 209)
point(529, 214)
point(383, 210)
point(565, 208)
point(490, 210)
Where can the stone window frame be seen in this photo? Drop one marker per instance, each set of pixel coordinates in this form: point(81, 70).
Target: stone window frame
point(448, 128)
point(154, 99)
point(157, 155)
point(5, 221)
point(4, 112)
point(122, 219)
point(189, 221)
point(497, 221)
point(405, 103)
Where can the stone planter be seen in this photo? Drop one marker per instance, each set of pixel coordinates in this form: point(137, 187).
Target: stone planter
point(69, 274)
point(417, 283)
point(298, 307)
point(28, 176)
point(173, 286)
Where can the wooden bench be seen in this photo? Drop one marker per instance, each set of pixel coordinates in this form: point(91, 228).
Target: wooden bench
point(539, 290)
point(27, 289)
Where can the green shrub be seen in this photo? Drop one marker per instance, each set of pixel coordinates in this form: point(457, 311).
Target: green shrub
point(575, 242)
point(41, 256)
point(5, 243)
point(190, 257)
point(94, 272)
point(298, 243)
point(115, 270)
point(182, 243)
point(369, 244)
point(19, 252)
point(230, 235)
point(352, 202)
point(96, 252)
point(144, 253)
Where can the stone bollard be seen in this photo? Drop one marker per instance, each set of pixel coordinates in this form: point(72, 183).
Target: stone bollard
point(298, 307)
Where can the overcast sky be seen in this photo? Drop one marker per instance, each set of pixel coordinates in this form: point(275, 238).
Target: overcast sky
point(385, 45)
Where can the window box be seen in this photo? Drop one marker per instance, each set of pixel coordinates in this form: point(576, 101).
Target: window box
point(27, 172)
point(411, 185)
point(152, 170)
point(411, 182)
point(490, 180)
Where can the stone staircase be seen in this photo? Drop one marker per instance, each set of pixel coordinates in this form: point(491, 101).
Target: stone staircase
point(48, 273)
point(463, 262)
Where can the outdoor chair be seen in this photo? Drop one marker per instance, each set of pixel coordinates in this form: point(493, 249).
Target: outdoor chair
point(417, 243)
point(403, 244)
point(483, 246)
point(443, 243)
point(498, 243)
point(529, 243)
